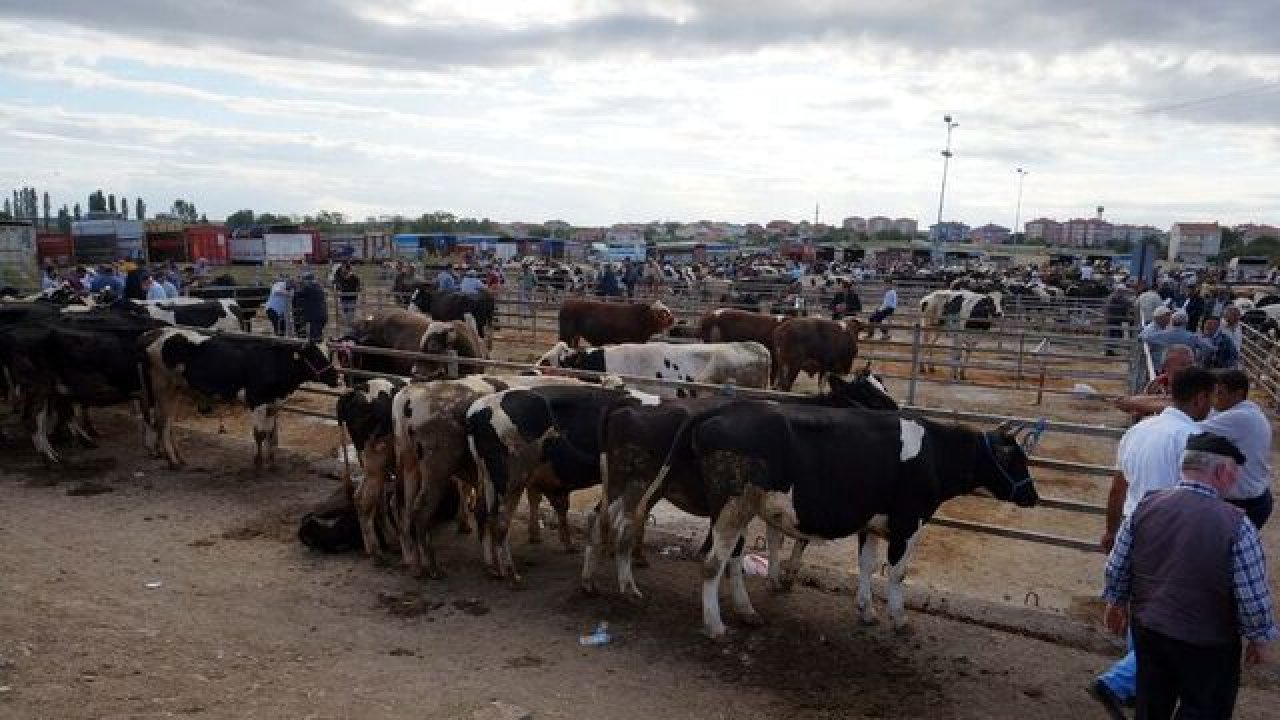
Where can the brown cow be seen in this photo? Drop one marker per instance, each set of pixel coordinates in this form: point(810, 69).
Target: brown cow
point(730, 325)
point(456, 338)
point(606, 323)
point(814, 345)
point(394, 329)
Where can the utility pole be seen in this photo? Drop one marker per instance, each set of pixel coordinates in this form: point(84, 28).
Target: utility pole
point(1017, 214)
point(942, 194)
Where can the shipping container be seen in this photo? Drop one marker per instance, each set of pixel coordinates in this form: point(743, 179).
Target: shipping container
point(208, 243)
point(276, 243)
point(19, 257)
point(55, 248)
point(103, 240)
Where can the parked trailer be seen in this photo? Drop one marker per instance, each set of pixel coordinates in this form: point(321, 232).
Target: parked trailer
point(55, 248)
point(19, 259)
point(101, 240)
point(273, 243)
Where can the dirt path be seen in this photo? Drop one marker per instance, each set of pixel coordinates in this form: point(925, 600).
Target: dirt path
point(185, 594)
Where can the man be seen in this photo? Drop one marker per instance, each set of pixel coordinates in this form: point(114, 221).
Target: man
point(471, 283)
point(1086, 272)
point(887, 306)
point(347, 284)
point(845, 302)
point(1154, 398)
point(1175, 334)
point(1241, 421)
point(1187, 578)
point(107, 279)
point(1148, 458)
point(446, 280)
point(1117, 313)
point(309, 307)
point(1231, 326)
point(1219, 353)
point(630, 276)
point(1194, 307)
point(151, 289)
point(278, 305)
point(1147, 303)
point(608, 286)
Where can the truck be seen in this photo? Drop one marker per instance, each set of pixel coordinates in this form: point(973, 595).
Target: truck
point(1248, 268)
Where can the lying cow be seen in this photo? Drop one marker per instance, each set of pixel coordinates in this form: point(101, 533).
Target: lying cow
point(429, 422)
point(956, 309)
point(820, 474)
point(452, 305)
point(183, 365)
point(221, 314)
point(608, 323)
point(544, 440)
point(816, 346)
point(637, 441)
point(740, 363)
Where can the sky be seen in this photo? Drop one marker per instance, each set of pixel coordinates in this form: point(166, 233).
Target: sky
point(604, 111)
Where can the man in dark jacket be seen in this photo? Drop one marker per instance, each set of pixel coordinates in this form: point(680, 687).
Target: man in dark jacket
point(1117, 312)
point(1194, 308)
point(609, 283)
point(309, 304)
point(347, 284)
point(1188, 574)
point(846, 302)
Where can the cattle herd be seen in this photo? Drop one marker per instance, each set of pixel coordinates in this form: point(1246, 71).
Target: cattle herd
point(440, 440)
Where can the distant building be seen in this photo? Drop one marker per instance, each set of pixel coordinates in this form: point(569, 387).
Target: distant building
point(589, 234)
point(1194, 243)
point(950, 232)
point(855, 224)
point(1086, 232)
point(1252, 231)
point(1134, 234)
point(908, 227)
point(1045, 230)
point(990, 234)
point(879, 224)
point(623, 236)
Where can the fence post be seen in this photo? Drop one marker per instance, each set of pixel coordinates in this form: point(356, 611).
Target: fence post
point(915, 364)
point(1040, 388)
point(1022, 344)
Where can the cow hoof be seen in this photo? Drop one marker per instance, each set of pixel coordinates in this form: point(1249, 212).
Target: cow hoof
point(903, 630)
point(516, 582)
point(588, 588)
point(640, 561)
point(571, 549)
point(718, 634)
point(868, 620)
point(464, 529)
point(752, 619)
point(535, 539)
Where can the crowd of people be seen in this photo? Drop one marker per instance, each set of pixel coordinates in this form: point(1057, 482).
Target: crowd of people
point(125, 279)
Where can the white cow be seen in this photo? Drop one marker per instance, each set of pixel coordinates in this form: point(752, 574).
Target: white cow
point(742, 363)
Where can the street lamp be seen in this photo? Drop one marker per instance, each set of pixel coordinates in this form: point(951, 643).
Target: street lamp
point(942, 194)
point(1017, 214)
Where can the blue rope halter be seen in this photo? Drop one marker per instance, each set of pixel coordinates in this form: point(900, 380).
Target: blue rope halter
point(1014, 485)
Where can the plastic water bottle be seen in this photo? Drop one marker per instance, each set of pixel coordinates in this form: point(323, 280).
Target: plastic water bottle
point(601, 636)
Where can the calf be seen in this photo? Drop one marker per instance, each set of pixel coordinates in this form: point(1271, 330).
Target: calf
point(544, 440)
point(455, 338)
point(816, 473)
point(429, 421)
point(741, 363)
point(392, 329)
point(957, 309)
point(606, 323)
point(223, 369)
point(365, 412)
point(816, 346)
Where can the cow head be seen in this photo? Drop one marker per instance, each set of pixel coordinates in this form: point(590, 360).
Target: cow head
point(997, 302)
point(862, 390)
point(1002, 463)
point(661, 315)
point(444, 338)
point(557, 356)
point(319, 367)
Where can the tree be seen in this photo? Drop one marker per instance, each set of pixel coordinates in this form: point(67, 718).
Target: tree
point(124, 207)
point(204, 219)
point(64, 219)
point(185, 211)
point(97, 201)
point(47, 214)
point(76, 212)
point(17, 205)
point(111, 203)
point(140, 209)
point(240, 218)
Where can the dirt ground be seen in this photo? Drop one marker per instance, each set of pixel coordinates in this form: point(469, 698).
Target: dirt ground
point(186, 594)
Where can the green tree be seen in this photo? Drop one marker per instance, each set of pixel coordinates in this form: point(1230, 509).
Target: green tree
point(8, 209)
point(185, 211)
point(124, 207)
point(76, 212)
point(140, 209)
point(64, 219)
point(240, 218)
point(111, 204)
point(47, 213)
point(97, 201)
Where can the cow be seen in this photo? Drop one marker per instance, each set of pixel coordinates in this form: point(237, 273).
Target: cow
point(429, 423)
point(544, 440)
point(392, 329)
point(180, 365)
point(452, 305)
point(606, 323)
point(814, 473)
point(221, 314)
point(637, 440)
point(816, 346)
point(731, 325)
point(365, 413)
point(952, 308)
point(455, 338)
point(740, 363)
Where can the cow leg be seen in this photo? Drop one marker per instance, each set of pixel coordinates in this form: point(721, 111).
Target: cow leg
point(413, 475)
point(903, 535)
point(595, 539)
point(560, 502)
point(40, 437)
point(81, 427)
point(535, 515)
point(421, 519)
point(261, 431)
point(787, 377)
point(726, 533)
point(867, 554)
point(466, 502)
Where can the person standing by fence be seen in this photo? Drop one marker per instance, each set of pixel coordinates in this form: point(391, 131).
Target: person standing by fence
point(278, 305)
point(346, 283)
point(887, 307)
point(1240, 420)
point(1187, 578)
point(310, 309)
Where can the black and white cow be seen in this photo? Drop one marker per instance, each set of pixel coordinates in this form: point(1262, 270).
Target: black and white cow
point(957, 309)
point(637, 440)
point(224, 314)
point(365, 413)
point(224, 369)
point(450, 305)
point(815, 473)
point(543, 440)
point(741, 363)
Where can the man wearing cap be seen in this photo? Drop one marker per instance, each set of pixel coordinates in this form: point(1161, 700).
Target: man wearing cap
point(1175, 334)
point(1148, 459)
point(1221, 353)
point(1188, 579)
point(1240, 420)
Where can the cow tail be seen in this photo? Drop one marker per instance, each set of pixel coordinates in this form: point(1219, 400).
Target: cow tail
point(678, 442)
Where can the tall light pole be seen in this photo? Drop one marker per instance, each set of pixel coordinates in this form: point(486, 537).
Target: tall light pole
point(942, 194)
point(1017, 214)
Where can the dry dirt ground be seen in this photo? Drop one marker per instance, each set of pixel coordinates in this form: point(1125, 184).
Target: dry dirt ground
point(186, 595)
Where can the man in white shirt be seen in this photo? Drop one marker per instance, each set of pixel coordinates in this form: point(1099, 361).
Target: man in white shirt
point(1149, 458)
point(887, 306)
point(1147, 303)
point(1231, 326)
point(1086, 272)
point(1241, 421)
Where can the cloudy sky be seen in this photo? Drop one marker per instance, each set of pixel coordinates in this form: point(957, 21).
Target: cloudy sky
point(599, 111)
